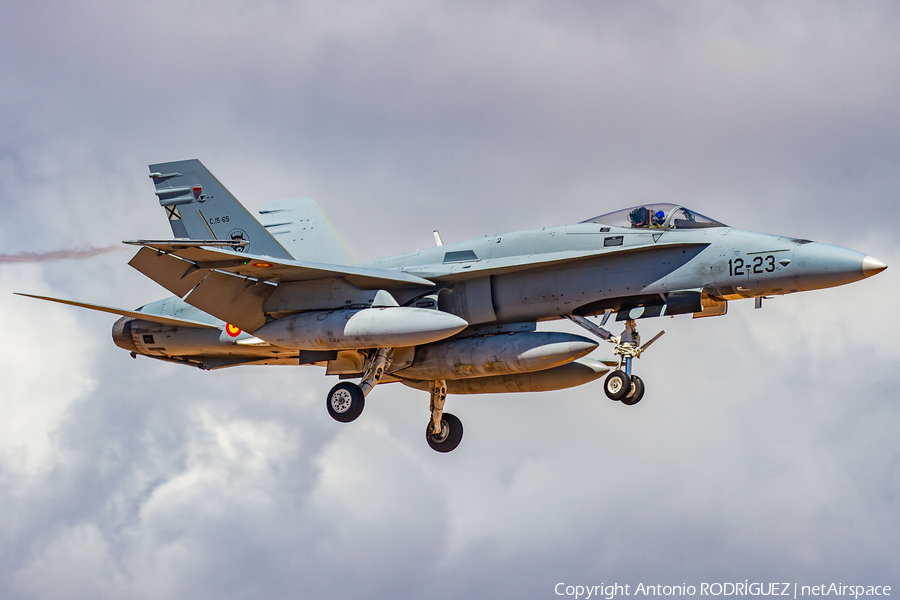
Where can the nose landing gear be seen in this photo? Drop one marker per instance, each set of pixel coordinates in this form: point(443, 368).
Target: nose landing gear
point(621, 384)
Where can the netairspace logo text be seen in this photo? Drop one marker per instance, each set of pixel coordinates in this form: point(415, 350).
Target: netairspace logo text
point(740, 588)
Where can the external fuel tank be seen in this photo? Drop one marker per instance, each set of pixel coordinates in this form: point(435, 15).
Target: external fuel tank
point(500, 354)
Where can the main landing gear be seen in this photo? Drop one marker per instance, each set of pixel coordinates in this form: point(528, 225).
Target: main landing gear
point(346, 401)
point(444, 431)
point(621, 384)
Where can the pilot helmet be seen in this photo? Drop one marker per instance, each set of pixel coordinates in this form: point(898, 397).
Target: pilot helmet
point(659, 216)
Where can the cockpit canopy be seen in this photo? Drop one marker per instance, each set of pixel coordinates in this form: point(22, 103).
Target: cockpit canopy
point(656, 216)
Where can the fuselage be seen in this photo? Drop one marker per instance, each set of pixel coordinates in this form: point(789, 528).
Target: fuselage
point(674, 266)
point(588, 268)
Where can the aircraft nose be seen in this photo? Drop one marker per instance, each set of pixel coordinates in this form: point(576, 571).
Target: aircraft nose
point(821, 266)
point(872, 266)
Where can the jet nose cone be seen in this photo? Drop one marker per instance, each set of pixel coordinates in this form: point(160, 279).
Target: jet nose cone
point(820, 266)
point(872, 266)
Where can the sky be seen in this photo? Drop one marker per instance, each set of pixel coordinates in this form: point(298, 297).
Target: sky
point(765, 448)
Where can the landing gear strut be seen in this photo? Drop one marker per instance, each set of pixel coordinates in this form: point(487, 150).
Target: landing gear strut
point(621, 384)
point(444, 431)
point(346, 400)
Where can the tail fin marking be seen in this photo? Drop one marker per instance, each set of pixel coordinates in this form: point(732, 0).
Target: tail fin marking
point(186, 187)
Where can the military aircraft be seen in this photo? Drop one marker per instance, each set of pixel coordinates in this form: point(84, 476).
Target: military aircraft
point(458, 318)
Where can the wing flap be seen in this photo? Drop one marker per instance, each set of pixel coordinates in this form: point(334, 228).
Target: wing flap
point(233, 299)
point(177, 276)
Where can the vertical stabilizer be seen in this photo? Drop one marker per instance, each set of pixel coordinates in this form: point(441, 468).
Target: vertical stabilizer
point(300, 226)
point(200, 208)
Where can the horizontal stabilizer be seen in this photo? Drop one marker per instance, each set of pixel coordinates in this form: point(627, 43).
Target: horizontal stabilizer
point(236, 244)
point(127, 313)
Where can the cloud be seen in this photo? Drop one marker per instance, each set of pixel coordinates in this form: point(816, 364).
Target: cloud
point(33, 403)
point(765, 446)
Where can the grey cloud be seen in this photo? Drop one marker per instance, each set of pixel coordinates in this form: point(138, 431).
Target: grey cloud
point(765, 448)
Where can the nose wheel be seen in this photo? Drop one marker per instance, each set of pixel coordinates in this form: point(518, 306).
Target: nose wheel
point(617, 385)
point(636, 392)
point(628, 390)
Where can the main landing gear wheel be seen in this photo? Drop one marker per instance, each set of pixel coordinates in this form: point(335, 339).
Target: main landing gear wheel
point(345, 402)
point(450, 435)
point(636, 393)
point(617, 385)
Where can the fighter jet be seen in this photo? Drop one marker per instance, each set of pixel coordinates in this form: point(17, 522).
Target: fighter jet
point(458, 318)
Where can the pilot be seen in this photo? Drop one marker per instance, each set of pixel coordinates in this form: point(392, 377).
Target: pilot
point(657, 220)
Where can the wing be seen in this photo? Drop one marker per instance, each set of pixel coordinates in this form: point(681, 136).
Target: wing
point(266, 268)
point(127, 313)
point(233, 286)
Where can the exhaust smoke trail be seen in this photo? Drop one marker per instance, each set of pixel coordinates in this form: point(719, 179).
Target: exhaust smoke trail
point(56, 255)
